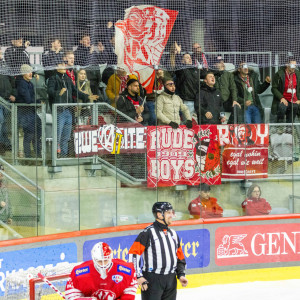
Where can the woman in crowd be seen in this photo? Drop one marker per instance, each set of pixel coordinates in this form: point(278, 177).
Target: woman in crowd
point(254, 205)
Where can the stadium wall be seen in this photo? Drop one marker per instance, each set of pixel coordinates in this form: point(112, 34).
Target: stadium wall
point(217, 251)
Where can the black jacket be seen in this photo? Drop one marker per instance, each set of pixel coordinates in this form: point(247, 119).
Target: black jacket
point(126, 106)
point(59, 81)
point(210, 101)
point(51, 59)
point(15, 57)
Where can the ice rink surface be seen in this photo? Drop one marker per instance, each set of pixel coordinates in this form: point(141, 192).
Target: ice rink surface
point(260, 290)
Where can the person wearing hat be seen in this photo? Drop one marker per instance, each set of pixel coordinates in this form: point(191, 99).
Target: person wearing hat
point(248, 87)
point(117, 84)
point(226, 86)
point(169, 105)
point(158, 247)
point(205, 206)
point(286, 92)
point(28, 119)
point(16, 55)
point(131, 104)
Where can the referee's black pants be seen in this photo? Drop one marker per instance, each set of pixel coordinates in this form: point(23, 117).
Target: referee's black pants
point(160, 287)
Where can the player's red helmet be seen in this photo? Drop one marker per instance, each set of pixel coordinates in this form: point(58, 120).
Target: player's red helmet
point(102, 258)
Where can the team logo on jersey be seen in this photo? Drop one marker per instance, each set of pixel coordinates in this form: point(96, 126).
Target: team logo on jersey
point(82, 271)
point(124, 269)
point(117, 278)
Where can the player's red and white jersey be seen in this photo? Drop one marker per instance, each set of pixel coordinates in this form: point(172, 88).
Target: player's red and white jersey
point(85, 280)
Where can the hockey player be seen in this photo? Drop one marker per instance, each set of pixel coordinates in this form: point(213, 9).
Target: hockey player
point(103, 277)
point(159, 248)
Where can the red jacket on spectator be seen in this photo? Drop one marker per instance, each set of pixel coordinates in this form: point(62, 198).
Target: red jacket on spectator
point(205, 208)
point(254, 207)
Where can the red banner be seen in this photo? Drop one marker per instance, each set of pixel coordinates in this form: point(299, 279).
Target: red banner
point(141, 38)
point(246, 150)
point(257, 244)
point(183, 156)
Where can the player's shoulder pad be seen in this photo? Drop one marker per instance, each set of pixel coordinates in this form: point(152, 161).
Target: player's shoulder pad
point(124, 267)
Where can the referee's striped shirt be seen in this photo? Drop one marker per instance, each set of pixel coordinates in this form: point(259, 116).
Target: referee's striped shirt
point(157, 250)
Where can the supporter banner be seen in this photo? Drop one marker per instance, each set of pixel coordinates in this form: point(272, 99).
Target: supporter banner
point(141, 38)
point(195, 246)
point(257, 244)
point(246, 150)
point(93, 139)
point(50, 256)
point(183, 156)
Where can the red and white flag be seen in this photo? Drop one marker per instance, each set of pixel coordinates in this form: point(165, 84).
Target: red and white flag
point(141, 39)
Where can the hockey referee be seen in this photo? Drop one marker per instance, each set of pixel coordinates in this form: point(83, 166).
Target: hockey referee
point(157, 257)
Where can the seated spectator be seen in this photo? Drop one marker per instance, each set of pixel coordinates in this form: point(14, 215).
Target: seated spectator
point(131, 104)
point(117, 84)
point(8, 94)
point(248, 88)
point(210, 109)
point(254, 205)
point(62, 90)
point(52, 57)
point(286, 91)
point(27, 117)
point(205, 206)
point(151, 98)
point(169, 106)
point(226, 86)
point(16, 55)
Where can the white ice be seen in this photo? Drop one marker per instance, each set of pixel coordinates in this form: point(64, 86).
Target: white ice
point(260, 290)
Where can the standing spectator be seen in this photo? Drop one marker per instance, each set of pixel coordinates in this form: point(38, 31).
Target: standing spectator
point(103, 277)
point(205, 206)
point(286, 91)
point(198, 56)
point(169, 106)
point(187, 82)
point(248, 87)
point(117, 84)
point(16, 55)
point(210, 109)
point(226, 86)
point(131, 104)
point(69, 61)
point(8, 94)
point(27, 116)
point(254, 205)
point(151, 98)
point(52, 57)
point(62, 90)
point(163, 259)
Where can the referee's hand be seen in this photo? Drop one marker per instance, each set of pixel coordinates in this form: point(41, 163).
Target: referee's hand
point(184, 282)
point(141, 281)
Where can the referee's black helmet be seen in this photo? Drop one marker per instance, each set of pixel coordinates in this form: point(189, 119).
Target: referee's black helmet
point(161, 207)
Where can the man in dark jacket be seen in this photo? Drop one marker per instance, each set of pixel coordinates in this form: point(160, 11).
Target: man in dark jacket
point(8, 94)
point(62, 90)
point(131, 104)
point(210, 109)
point(52, 57)
point(248, 87)
point(286, 91)
point(27, 116)
point(84, 57)
point(226, 86)
point(16, 55)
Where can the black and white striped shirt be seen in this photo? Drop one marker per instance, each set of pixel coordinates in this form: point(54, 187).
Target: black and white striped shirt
point(157, 250)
